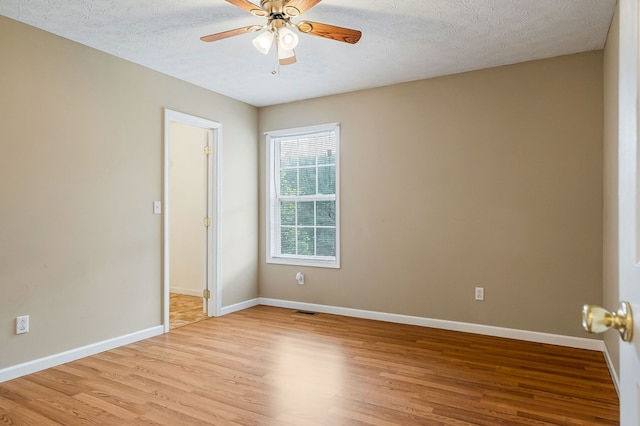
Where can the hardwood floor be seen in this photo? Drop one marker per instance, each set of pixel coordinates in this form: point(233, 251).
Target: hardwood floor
point(271, 366)
point(184, 310)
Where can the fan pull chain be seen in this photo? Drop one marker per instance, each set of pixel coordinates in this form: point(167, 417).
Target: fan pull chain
point(276, 62)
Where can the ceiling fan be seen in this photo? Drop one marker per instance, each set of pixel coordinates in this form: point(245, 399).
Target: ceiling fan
point(279, 14)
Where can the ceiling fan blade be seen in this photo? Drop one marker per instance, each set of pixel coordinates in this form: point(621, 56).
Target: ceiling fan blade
point(230, 33)
point(346, 35)
point(288, 60)
point(298, 7)
point(249, 7)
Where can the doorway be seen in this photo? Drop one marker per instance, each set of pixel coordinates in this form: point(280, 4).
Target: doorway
point(191, 219)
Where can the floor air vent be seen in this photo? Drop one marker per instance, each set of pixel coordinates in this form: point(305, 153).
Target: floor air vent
point(306, 313)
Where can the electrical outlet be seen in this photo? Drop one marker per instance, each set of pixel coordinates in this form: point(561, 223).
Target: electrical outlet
point(300, 278)
point(22, 324)
point(479, 293)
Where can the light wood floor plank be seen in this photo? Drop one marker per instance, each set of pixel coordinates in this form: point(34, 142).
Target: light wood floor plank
point(271, 366)
point(184, 310)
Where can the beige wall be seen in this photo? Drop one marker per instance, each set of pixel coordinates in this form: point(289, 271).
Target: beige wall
point(490, 178)
point(81, 138)
point(610, 213)
point(187, 192)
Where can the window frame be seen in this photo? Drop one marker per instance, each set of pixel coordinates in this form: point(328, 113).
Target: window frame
point(273, 213)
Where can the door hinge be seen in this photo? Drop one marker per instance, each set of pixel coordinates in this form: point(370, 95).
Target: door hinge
point(207, 222)
point(206, 294)
point(207, 150)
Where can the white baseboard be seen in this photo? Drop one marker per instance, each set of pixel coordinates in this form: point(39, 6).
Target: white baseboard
point(239, 306)
point(23, 369)
point(612, 371)
point(186, 291)
point(530, 336)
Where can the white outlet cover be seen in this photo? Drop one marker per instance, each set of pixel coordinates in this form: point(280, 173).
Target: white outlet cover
point(22, 324)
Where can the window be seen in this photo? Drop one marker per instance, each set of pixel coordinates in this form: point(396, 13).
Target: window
point(303, 226)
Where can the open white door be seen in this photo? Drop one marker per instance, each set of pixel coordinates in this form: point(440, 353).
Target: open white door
point(629, 207)
point(596, 319)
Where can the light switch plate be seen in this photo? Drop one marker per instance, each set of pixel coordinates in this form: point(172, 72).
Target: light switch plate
point(157, 207)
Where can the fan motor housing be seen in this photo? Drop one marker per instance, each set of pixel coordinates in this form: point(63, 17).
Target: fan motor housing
point(273, 6)
point(277, 9)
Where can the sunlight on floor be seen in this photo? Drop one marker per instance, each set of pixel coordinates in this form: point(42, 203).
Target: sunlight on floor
point(308, 376)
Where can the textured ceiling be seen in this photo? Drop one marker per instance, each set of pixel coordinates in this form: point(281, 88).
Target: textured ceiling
point(403, 40)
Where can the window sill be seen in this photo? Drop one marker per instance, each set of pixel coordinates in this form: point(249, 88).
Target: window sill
point(334, 264)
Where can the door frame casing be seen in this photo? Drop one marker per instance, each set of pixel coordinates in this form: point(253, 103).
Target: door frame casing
point(214, 304)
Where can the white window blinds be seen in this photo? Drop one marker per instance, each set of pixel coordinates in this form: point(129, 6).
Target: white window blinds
point(303, 217)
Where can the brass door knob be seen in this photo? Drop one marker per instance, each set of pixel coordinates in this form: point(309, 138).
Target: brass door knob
point(598, 320)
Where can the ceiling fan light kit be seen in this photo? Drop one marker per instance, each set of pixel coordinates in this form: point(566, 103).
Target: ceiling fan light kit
point(279, 14)
point(263, 42)
point(287, 39)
